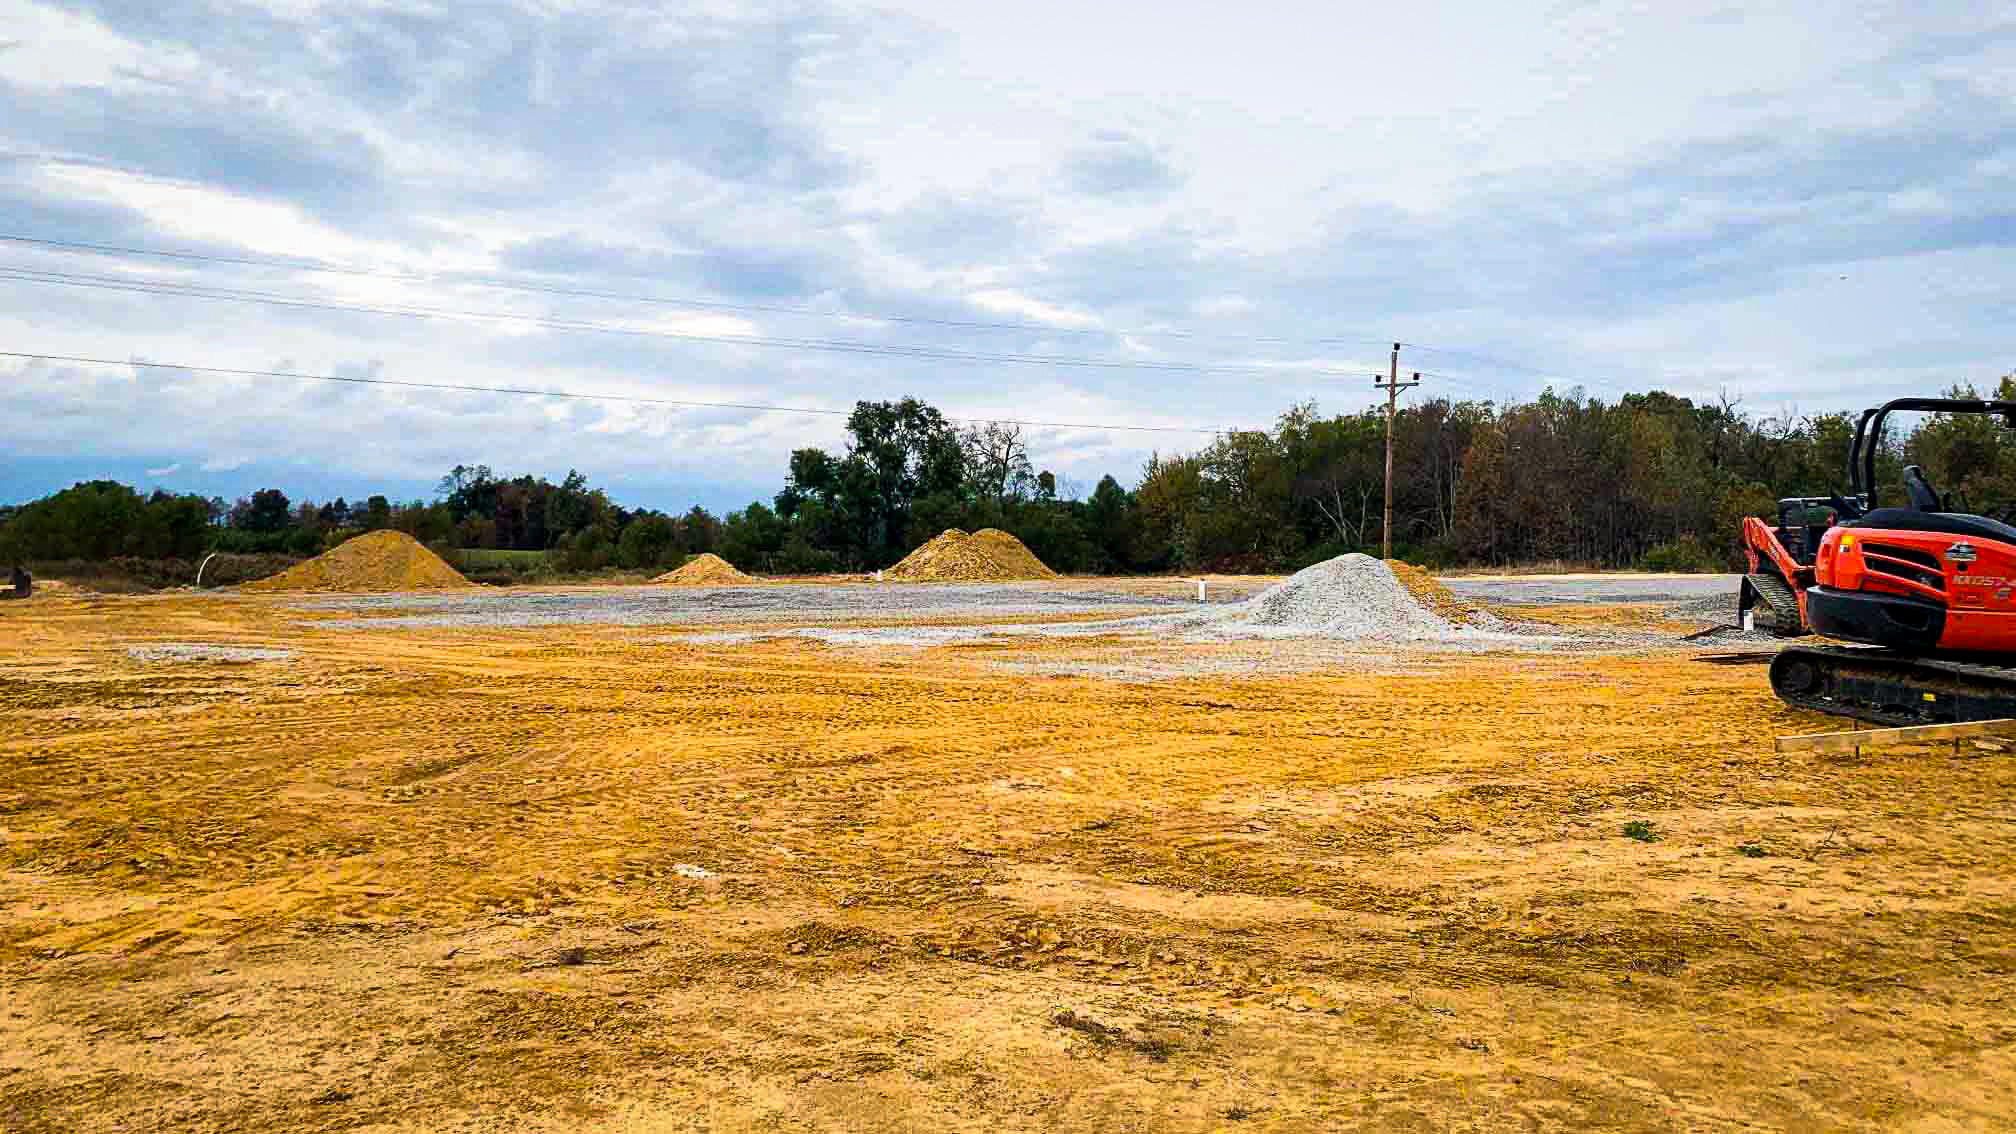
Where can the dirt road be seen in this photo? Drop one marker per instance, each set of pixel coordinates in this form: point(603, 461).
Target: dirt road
point(589, 876)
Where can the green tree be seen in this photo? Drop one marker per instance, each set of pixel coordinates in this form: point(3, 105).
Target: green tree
point(753, 538)
point(268, 510)
point(647, 541)
point(1166, 508)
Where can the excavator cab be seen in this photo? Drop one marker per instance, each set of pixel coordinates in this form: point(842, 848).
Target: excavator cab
point(1916, 578)
point(1933, 590)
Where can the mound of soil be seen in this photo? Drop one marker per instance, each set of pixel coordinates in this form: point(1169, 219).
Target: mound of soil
point(1013, 554)
point(989, 556)
point(375, 561)
point(704, 570)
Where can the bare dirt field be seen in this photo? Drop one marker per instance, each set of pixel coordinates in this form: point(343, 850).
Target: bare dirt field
point(269, 864)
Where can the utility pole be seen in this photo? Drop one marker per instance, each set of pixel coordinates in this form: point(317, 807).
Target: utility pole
point(1393, 385)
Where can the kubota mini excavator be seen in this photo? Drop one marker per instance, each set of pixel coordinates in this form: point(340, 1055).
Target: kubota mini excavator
point(1929, 593)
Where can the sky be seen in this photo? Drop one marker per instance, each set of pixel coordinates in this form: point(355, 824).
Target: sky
point(1176, 218)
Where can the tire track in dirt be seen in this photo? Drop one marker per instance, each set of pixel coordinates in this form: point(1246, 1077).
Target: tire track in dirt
point(1346, 880)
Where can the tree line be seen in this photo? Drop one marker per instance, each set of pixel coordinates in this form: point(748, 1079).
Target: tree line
point(1649, 480)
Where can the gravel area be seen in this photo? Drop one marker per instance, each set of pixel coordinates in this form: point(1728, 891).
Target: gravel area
point(1352, 600)
point(1595, 588)
point(667, 606)
point(1712, 608)
point(1348, 613)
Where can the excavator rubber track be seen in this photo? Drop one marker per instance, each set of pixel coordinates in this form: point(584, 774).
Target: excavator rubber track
point(1773, 604)
point(1888, 688)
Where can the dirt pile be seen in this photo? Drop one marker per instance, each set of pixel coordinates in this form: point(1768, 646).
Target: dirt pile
point(1013, 554)
point(1434, 595)
point(704, 570)
point(987, 556)
point(376, 561)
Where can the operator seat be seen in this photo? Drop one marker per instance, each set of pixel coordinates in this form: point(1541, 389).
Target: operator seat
point(1958, 524)
point(1927, 513)
point(1919, 489)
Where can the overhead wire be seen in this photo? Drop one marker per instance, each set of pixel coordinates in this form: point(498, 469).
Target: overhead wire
point(1477, 384)
point(842, 346)
point(204, 291)
point(306, 264)
point(1507, 364)
point(498, 283)
point(680, 403)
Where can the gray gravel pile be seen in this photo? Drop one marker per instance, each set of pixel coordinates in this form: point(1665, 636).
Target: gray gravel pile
point(1351, 597)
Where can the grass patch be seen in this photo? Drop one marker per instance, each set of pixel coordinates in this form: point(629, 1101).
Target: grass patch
point(1751, 850)
point(1641, 830)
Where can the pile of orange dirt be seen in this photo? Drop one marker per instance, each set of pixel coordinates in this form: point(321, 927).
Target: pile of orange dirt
point(705, 570)
point(375, 561)
point(989, 556)
point(1013, 554)
point(1432, 594)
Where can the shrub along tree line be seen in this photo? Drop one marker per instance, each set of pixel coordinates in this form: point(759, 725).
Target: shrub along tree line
point(577, 526)
point(1648, 480)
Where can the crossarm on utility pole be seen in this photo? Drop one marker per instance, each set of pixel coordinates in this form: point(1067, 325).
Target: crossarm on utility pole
point(1393, 385)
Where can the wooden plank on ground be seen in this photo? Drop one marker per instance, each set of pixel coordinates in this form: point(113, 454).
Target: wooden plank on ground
point(1846, 741)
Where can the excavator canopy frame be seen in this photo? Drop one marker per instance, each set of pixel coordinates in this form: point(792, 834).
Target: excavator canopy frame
point(1869, 434)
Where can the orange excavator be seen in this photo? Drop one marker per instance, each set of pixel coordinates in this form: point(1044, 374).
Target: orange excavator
point(1925, 596)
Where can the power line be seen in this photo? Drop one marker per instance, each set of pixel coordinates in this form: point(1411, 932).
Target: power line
point(310, 265)
point(578, 395)
point(842, 346)
point(1508, 364)
point(1458, 379)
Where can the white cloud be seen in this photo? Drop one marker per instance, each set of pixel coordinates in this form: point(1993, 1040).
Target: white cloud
point(47, 49)
point(1568, 187)
point(186, 212)
point(166, 470)
point(1218, 306)
point(690, 323)
point(1921, 202)
point(1004, 302)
